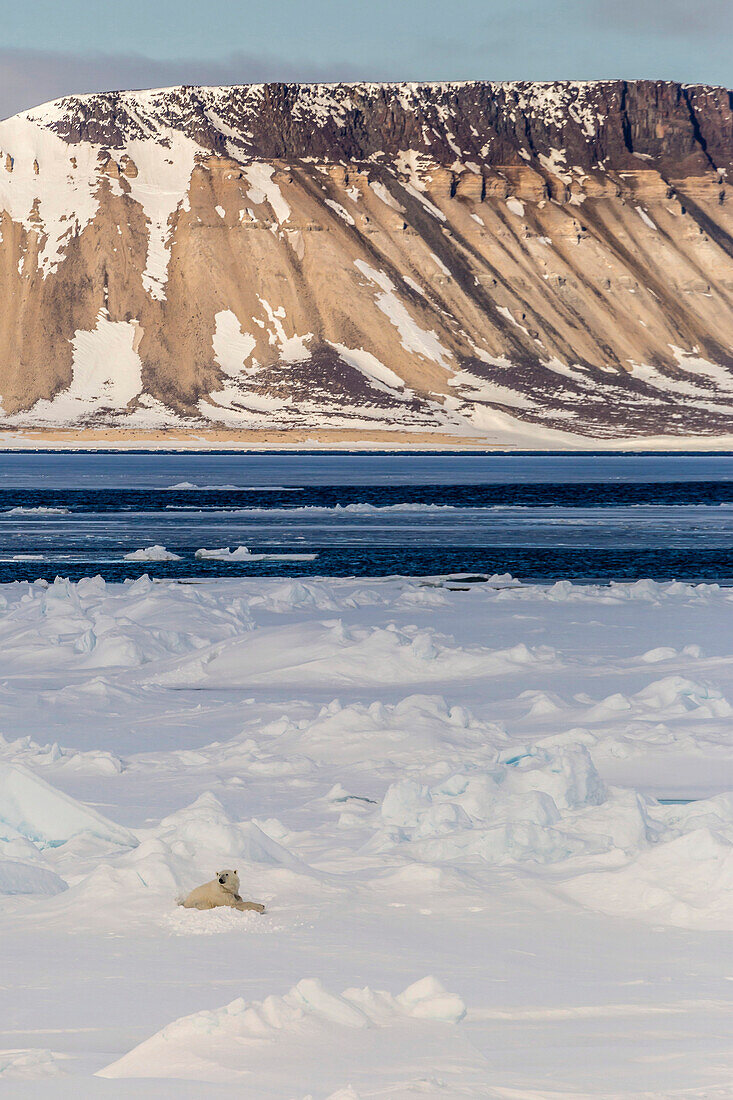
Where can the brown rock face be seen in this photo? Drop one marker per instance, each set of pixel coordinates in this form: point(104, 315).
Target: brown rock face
point(479, 258)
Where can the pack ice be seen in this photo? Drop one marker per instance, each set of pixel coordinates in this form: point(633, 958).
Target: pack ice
point(522, 791)
point(31, 808)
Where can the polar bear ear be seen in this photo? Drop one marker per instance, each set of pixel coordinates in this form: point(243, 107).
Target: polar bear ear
point(236, 872)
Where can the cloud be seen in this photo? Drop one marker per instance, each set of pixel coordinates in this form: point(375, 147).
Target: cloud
point(662, 18)
point(683, 40)
point(30, 77)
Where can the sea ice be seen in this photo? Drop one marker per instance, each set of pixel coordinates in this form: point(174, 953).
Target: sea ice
point(245, 1039)
point(152, 553)
point(415, 776)
point(26, 878)
point(30, 1064)
point(32, 808)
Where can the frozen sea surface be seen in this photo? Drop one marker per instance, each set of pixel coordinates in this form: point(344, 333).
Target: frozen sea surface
point(492, 823)
point(492, 826)
point(540, 517)
point(160, 469)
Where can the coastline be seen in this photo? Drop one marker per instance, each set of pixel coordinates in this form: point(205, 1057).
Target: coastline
point(194, 439)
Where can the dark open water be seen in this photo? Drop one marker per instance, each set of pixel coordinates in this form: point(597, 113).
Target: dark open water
point(537, 516)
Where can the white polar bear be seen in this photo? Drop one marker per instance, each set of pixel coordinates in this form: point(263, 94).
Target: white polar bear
point(222, 890)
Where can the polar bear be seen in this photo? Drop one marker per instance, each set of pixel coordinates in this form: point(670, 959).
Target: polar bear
point(222, 890)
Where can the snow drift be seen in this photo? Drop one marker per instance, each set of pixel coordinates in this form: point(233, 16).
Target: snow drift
point(33, 809)
point(291, 1034)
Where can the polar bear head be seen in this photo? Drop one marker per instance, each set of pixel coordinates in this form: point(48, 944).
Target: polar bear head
point(228, 880)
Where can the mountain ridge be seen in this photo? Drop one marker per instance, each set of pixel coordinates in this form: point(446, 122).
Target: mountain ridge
point(446, 257)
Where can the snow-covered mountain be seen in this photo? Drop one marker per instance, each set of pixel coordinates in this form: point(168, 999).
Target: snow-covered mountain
point(466, 259)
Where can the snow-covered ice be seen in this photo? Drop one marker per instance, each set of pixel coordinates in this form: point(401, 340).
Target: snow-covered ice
point(225, 553)
point(312, 1031)
point(492, 825)
point(243, 553)
point(152, 553)
point(33, 809)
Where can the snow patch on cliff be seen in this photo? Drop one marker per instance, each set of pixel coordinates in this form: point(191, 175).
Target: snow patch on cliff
point(265, 189)
point(161, 187)
point(413, 338)
point(47, 186)
point(368, 365)
point(106, 375)
point(232, 346)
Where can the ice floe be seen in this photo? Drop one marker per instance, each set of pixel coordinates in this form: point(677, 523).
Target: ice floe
point(152, 553)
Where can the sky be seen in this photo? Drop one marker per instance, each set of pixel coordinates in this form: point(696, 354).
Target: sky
point(51, 48)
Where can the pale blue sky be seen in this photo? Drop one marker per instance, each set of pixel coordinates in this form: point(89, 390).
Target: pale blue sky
point(52, 47)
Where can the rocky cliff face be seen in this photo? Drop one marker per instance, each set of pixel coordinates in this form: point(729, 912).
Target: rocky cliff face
point(466, 258)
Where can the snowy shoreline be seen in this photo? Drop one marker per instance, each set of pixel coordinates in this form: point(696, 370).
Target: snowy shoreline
point(123, 440)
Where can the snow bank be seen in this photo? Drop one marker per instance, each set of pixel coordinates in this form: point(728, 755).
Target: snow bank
point(685, 879)
point(32, 808)
point(544, 808)
point(25, 750)
point(670, 864)
point(331, 652)
point(205, 827)
point(295, 595)
point(30, 1064)
point(49, 629)
point(254, 1037)
point(24, 878)
point(216, 922)
point(670, 697)
point(140, 887)
point(376, 732)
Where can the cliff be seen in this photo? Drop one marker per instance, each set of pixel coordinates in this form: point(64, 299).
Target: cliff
point(442, 258)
